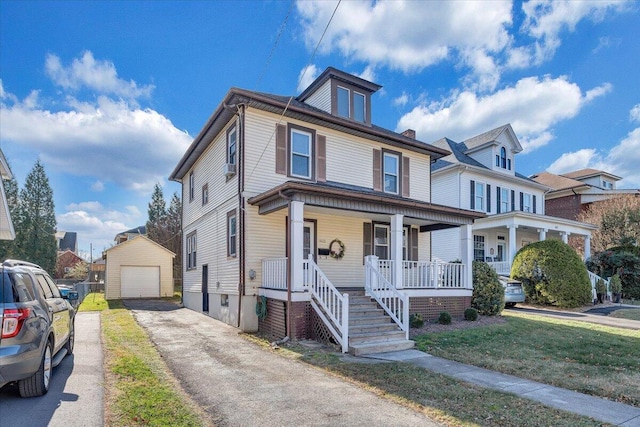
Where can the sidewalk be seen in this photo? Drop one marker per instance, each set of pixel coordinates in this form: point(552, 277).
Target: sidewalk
point(571, 401)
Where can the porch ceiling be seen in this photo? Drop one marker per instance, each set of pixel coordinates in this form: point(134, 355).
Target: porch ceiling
point(363, 200)
point(535, 222)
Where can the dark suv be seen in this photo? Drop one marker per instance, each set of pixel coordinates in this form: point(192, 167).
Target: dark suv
point(36, 329)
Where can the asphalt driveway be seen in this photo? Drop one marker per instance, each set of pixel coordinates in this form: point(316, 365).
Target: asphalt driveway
point(240, 384)
point(75, 396)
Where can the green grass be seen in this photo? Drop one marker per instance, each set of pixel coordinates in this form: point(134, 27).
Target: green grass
point(588, 358)
point(94, 301)
point(444, 399)
point(140, 389)
point(630, 313)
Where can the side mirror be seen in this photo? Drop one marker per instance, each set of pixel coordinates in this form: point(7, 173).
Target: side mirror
point(72, 296)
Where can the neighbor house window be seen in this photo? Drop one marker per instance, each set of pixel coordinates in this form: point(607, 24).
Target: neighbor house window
point(231, 145)
point(205, 194)
point(503, 158)
point(301, 153)
point(391, 173)
point(232, 234)
point(478, 248)
point(526, 202)
point(191, 250)
point(344, 96)
point(498, 160)
point(504, 200)
point(192, 187)
point(509, 164)
point(479, 196)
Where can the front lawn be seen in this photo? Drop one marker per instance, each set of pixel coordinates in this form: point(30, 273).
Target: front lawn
point(588, 358)
point(629, 313)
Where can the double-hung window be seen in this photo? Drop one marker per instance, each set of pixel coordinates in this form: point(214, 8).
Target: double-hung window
point(350, 103)
point(478, 248)
point(205, 194)
point(504, 200)
point(359, 105)
point(191, 250)
point(232, 234)
point(526, 202)
point(479, 196)
point(391, 170)
point(231, 145)
point(192, 187)
point(344, 104)
point(301, 154)
point(381, 241)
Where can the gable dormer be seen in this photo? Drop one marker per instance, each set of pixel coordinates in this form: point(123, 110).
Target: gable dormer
point(495, 149)
point(341, 94)
point(595, 178)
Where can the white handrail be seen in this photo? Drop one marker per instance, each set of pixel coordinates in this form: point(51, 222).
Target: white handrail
point(329, 303)
point(593, 278)
point(394, 302)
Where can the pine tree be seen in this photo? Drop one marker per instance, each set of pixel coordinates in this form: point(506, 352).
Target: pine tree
point(8, 247)
point(157, 211)
point(174, 225)
point(36, 221)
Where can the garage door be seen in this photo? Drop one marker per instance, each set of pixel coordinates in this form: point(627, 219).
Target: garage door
point(140, 282)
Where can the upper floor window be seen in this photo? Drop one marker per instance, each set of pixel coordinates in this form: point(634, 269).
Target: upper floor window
point(344, 95)
point(350, 104)
point(509, 164)
point(607, 185)
point(526, 202)
point(192, 187)
point(504, 200)
point(477, 195)
point(300, 159)
point(391, 173)
point(359, 107)
point(191, 251)
point(231, 145)
point(503, 158)
point(205, 194)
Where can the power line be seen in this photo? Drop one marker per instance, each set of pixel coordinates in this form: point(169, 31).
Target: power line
point(297, 84)
point(275, 44)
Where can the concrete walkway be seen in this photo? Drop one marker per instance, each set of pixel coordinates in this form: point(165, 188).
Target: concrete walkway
point(571, 401)
point(238, 383)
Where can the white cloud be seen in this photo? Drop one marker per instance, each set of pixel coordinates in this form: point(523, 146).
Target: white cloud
point(573, 161)
point(634, 114)
point(597, 92)
point(368, 74)
point(409, 35)
point(307, 75)
point(545, 20)
point(97, 186)
point(621, 160)
point(110, 140)
point(401, 101)
point(532, 106)
point(100, 76)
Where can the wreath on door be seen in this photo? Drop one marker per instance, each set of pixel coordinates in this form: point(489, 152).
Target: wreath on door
point(336, 249)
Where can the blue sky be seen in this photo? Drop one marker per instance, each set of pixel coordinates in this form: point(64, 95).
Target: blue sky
point(108, 95)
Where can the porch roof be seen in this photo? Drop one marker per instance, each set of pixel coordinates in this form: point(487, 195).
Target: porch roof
point(534, 221)
point(346, 197)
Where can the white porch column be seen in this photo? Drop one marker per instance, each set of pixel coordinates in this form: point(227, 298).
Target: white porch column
point(565, 236)
point(587, 247)
point(513, 245)
point(466, 239)
point(542, 236)
point(296, 231)
point(396, 249)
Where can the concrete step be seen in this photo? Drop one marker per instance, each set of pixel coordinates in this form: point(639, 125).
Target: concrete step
point(381, 347)
point(369, 320)
point(368, 327)
point(375, 337)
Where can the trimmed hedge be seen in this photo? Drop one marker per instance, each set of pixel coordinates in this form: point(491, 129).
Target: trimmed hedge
point(552, 273)
point(488, 293)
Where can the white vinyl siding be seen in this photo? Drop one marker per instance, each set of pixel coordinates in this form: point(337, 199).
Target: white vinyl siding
point(321, 98)
point(446, 244)
point(446, 190)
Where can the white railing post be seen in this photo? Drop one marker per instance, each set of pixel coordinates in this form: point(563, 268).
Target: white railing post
point(345, 323)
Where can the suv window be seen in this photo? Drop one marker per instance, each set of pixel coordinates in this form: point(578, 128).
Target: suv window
point(44, 286)
point(15, 287)
point(52, 285)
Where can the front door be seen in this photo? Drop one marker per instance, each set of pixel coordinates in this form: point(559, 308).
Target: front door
point(205, 288)
point(309, 238)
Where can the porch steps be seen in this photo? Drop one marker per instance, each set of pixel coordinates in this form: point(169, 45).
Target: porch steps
point(370, 329)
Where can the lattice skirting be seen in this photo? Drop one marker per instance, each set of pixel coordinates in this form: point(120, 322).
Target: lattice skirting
point(431, 307)
point(319, 331)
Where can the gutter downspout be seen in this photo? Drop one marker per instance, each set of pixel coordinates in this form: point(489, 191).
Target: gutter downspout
point(242, 258)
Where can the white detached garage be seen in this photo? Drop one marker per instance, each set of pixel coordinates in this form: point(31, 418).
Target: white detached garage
point(139, 268)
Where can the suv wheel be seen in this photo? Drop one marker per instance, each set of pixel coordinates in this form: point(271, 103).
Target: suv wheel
point(72, 332)
point(38, 383)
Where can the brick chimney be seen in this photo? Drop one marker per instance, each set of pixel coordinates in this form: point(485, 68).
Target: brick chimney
point(409, 133)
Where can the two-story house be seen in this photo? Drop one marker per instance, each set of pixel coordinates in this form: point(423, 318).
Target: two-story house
point(480, 174)
point(293, 204)
point(571, 193)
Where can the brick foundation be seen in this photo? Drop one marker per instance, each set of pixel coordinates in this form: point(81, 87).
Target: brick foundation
point(431, 307)
point(275, 323)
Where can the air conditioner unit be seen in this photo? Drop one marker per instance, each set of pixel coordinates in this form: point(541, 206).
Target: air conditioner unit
point(229, 169)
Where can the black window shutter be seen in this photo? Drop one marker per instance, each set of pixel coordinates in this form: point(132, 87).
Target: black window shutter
point(498, 197)
point(488, 198)
point(521, 201)
point(472, 203)
point(534, 203)
point(513, 200)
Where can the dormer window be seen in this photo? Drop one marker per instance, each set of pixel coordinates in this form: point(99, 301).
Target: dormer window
point(503, 158)
point(344, 109)
point(359, 104)
point(351, 104)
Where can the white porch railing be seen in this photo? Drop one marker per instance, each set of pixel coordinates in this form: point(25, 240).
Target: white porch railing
point(328, 302)
point(394, 302)
point(503, 268)
point(274, 273)
point(426, 274)
point(593, 278)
